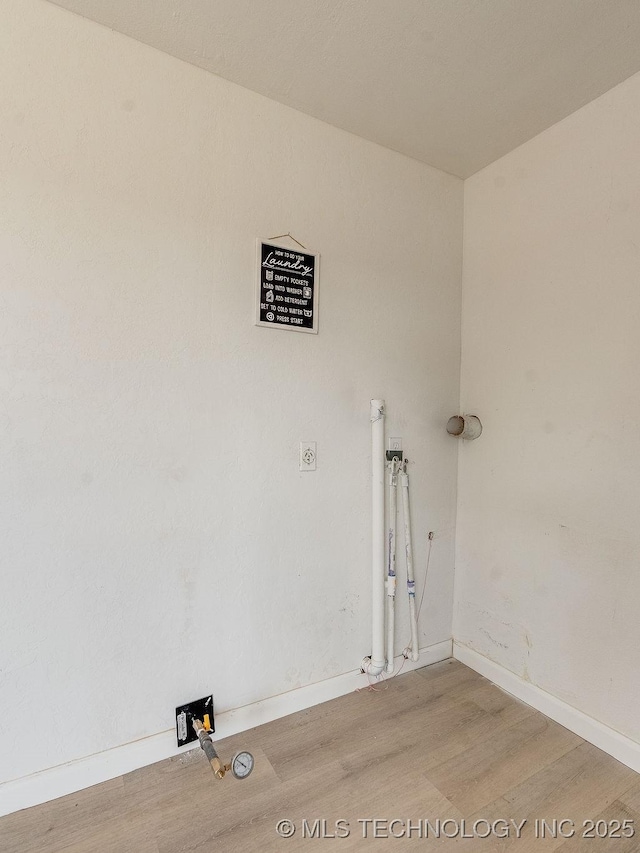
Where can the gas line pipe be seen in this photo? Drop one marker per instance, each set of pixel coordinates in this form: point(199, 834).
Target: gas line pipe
point(240, 765)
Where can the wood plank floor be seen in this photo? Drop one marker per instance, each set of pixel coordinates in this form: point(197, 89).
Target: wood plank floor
point(438, 743)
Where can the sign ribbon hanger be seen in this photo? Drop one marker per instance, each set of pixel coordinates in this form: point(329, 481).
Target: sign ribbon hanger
point(291, 237)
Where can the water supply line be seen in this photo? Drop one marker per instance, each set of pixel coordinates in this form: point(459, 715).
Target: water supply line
point(413, 650)
point(394, 466)
point(377, 662)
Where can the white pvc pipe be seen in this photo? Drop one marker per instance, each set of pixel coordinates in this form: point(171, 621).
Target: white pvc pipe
point(376, 665)
point(391, 564)
point(411, 584)
point(467, 427)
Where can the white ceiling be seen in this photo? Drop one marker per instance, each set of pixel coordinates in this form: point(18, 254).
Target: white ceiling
point(454, 83)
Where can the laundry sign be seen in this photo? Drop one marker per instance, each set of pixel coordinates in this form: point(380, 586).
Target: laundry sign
point(287, 288)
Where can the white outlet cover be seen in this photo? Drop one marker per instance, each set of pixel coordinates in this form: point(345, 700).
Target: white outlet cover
point(308, 456)
point(395, 443)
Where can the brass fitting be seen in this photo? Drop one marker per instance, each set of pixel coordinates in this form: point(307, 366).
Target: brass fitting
point(218, 768)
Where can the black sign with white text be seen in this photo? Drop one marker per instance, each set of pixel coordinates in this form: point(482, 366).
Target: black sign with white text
point(287, 288)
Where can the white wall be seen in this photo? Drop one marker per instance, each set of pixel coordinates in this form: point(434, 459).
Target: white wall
point(158, 541)
point(548, 544)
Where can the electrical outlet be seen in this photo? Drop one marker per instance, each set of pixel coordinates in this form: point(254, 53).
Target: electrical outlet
point(395, 449)
point(200, 709)
point(308, 456)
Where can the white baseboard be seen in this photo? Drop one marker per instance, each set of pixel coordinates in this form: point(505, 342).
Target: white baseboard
point(76, 775)
point(607, 739)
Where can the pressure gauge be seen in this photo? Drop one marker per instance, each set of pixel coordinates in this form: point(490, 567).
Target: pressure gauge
point(242, 764)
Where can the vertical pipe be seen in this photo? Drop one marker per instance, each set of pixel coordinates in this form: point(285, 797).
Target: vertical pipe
point(391, 566)
point(377, 536)
point(411, 584)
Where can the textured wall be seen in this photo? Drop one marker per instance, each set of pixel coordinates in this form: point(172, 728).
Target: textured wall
point(548, 547)
point(158, 540)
